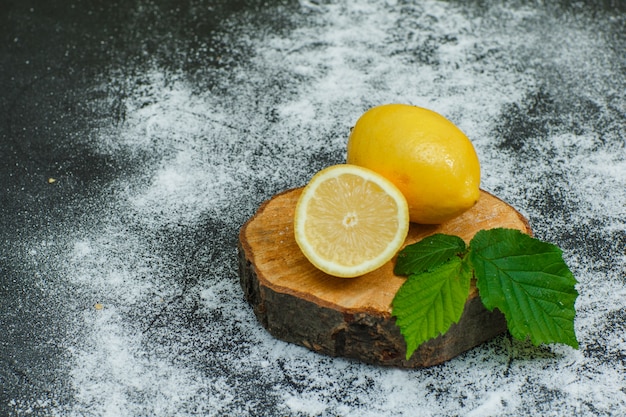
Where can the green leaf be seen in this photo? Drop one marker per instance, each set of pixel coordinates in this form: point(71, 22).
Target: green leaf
point(428, 303)
point(528, 281)
point(428, 253)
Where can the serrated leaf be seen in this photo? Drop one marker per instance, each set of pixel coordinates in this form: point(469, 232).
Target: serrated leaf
point(428, 253)
point(529, 282)
point(428, 303)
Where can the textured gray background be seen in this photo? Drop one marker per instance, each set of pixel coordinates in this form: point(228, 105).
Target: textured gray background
point(166, 123)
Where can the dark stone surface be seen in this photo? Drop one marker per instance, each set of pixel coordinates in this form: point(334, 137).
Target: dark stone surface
point(165, 123)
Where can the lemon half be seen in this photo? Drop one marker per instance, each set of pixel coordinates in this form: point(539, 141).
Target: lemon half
point(350, 220)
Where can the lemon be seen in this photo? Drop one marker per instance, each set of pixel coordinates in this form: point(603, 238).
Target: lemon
point(350, 220)
point(424, 154)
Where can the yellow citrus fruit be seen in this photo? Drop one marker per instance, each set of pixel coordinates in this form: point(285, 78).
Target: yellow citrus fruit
point(424, 154)
point(350, 220)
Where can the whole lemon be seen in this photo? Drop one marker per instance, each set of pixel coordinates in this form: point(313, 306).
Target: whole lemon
point(424, 154)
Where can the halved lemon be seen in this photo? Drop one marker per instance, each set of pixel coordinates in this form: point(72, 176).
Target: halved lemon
point(350, 220)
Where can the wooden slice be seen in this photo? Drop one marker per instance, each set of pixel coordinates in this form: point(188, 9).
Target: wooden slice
point(351, 317)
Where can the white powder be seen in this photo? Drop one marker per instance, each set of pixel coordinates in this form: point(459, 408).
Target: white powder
point(174, 336)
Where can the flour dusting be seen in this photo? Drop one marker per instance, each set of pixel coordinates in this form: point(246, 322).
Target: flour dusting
point(173, 335)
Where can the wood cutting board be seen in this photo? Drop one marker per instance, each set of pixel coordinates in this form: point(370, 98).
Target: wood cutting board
point(351, 317)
